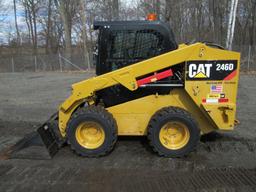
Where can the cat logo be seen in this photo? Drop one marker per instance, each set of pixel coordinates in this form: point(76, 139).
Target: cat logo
point(199, 71)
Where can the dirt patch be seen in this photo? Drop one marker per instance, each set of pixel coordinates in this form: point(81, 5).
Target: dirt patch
point(222, 161)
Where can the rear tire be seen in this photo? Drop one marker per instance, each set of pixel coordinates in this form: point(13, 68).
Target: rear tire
point(92, 131)
point(172, 132)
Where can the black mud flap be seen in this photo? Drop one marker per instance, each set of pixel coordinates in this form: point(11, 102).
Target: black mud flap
point(40, 144)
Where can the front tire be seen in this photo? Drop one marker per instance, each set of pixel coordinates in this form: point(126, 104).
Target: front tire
point(92, 131)
point(172, 132)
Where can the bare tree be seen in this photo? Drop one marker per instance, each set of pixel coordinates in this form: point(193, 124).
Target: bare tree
point(49, 26)
point(253, 23)
point(16, 23)
point(231, 24)
point(67, 9)
point(84, 32)
point(115, 5)
point(31, 8)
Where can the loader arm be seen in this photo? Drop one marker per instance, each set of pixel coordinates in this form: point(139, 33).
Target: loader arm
point(127, 75)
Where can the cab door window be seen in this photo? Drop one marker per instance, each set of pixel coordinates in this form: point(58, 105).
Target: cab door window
point(131, 46)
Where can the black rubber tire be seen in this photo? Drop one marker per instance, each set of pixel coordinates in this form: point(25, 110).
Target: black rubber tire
point(172, 114)
point(104, 118)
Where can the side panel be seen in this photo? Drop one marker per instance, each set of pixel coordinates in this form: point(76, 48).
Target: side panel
point(133, 117)
point(212, 83)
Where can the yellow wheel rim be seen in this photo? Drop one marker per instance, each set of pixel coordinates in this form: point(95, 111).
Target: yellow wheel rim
point(90, 135)
point(174, 135)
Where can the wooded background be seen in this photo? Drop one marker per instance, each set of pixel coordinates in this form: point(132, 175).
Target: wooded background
point(58, 34)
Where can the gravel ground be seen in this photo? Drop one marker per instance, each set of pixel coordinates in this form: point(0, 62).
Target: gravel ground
point(222, 162)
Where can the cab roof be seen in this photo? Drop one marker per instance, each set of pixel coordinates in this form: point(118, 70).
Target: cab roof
point(106, 24)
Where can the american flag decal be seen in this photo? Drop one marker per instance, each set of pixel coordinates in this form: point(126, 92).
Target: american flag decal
point(216, 89)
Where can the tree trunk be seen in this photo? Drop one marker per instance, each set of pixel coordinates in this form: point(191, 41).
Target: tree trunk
point(67, 29)
point(31, 28)
point(83, 17)
point(231, 24)
point(49, 27)
point(28, 25)
point(115, 5)
point(157, 7)
point(252, 28)
point(16, 23)
point(35, 27)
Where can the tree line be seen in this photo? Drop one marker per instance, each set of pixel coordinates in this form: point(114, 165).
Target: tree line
point(51, 26)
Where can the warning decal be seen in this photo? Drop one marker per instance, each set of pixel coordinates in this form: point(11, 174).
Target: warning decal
point(215, 100)
point(213, 96)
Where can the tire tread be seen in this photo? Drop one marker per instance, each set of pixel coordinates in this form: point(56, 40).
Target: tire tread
point(157, 116)
point(102, 113)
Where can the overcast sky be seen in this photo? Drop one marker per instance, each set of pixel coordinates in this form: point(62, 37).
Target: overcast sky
point(8, 25)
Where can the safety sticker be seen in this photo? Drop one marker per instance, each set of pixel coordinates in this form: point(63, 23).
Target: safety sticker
point(213, 96)
point(212, 100)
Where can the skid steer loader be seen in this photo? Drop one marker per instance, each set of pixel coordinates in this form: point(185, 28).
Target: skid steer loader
point(146, 85)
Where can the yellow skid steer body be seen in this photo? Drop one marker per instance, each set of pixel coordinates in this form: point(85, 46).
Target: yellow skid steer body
point(209, 92)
